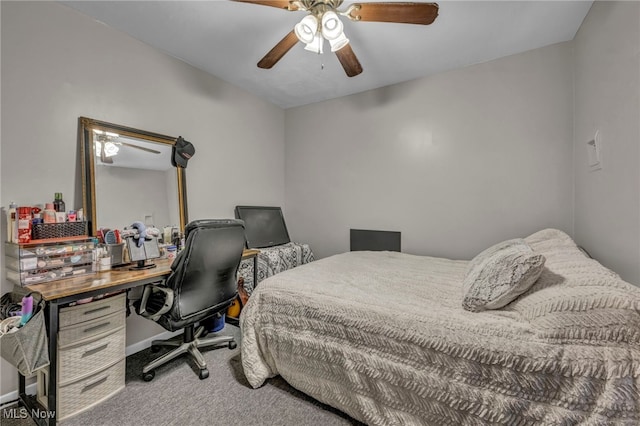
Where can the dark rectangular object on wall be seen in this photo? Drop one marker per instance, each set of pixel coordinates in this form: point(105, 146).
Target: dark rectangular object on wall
point(263, 226)
point(362, 239)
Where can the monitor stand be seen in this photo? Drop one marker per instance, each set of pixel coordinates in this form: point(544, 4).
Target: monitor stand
point(142, 265)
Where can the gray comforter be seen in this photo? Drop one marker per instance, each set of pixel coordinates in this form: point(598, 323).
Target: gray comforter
point(382, 336)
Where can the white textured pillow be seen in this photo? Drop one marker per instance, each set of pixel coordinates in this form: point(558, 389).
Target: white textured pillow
point(500, 274)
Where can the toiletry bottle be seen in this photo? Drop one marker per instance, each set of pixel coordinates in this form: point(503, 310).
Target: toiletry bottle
point(11, 221)
point(26, 309)
point(23, 218)
point(49, 214)
point(58, 204)
point(36, 212)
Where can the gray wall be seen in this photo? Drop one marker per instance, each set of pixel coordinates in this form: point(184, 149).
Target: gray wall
point(58, 65)
point(607, 87)
point(456, 161)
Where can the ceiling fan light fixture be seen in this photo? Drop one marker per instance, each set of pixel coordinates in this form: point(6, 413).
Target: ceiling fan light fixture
point(307, 29)
point(316, 45)
point(339, 42)
point(110, 149)
point(332, 27)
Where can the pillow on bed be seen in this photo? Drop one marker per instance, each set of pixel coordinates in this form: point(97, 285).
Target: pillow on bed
point(500, 274)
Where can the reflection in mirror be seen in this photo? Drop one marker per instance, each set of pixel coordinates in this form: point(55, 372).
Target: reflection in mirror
point(128, 177)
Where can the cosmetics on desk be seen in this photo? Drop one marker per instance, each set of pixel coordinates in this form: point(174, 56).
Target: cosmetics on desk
point(49, 213)
point(41, 221)
point(23, 224)
point(58, 204)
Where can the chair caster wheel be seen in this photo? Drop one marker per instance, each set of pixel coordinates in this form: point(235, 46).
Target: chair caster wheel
point(147, 377)
point(204, 373)
point(233, 345)
point(155, 348)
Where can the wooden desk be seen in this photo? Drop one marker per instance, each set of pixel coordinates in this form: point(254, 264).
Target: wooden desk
point(61, 292)
point(113, 280)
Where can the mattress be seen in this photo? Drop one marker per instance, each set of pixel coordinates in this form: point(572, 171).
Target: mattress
point(383, 337)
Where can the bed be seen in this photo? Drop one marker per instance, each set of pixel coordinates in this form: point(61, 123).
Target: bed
point(383, 337)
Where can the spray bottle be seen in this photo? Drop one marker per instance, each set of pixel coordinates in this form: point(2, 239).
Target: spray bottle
point(11, 222)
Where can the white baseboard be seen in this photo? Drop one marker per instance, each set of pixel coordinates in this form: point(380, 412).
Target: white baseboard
point(12, 396)
point(144, 344)
point(129, 350)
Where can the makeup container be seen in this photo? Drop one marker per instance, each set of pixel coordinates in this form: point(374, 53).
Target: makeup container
point(61, 217)
point(49, 213)
point(171, 252)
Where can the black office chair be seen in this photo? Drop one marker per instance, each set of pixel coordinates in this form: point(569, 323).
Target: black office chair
point(202, 284)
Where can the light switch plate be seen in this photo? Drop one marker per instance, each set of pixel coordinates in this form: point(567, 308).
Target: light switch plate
point(594, 152)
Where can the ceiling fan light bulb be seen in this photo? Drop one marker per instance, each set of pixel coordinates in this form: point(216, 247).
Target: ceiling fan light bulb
point(332, 27)
point(110, 149)
point(306, 29)
point(339, 43)
point(316, 45)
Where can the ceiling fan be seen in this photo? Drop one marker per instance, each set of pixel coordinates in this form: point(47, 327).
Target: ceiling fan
point(323, 23)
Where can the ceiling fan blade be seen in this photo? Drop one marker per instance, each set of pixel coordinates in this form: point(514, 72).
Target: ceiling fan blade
point(153, 151)
point(280, 4)
point(349, 61)
point(403, 13)
point(278, 51)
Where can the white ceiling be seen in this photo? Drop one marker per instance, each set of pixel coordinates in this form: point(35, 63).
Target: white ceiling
point(227, 39)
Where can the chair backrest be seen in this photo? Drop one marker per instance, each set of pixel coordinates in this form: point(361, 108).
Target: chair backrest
point(204, 273)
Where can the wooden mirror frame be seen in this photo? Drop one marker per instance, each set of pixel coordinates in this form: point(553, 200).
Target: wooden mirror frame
point(87, 153)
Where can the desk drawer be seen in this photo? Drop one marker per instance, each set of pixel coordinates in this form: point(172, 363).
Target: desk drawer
point(79, 333)
point(77, 361)
point(86, 312)
point(84, 394)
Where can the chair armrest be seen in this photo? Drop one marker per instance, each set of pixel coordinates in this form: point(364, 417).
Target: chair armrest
point(155, 301)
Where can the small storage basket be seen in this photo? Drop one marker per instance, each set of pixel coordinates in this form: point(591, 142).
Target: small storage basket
point(27, 349)
point(42, 231)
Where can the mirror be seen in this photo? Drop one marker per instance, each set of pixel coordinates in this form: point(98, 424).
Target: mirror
point(127, 176)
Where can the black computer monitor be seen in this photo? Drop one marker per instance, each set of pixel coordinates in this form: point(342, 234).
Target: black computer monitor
point(263, 226)
point(148, 250)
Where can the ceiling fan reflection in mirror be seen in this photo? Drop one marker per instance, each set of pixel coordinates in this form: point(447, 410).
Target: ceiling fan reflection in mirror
point(108, 144)
point(323, 23)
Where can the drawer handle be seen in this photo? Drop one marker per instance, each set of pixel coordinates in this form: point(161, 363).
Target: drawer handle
point(101, 308)
point(93, 350)
point(95, 383)
point(97, 327)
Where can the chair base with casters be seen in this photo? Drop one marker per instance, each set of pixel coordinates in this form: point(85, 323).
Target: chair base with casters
point(190, 344)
